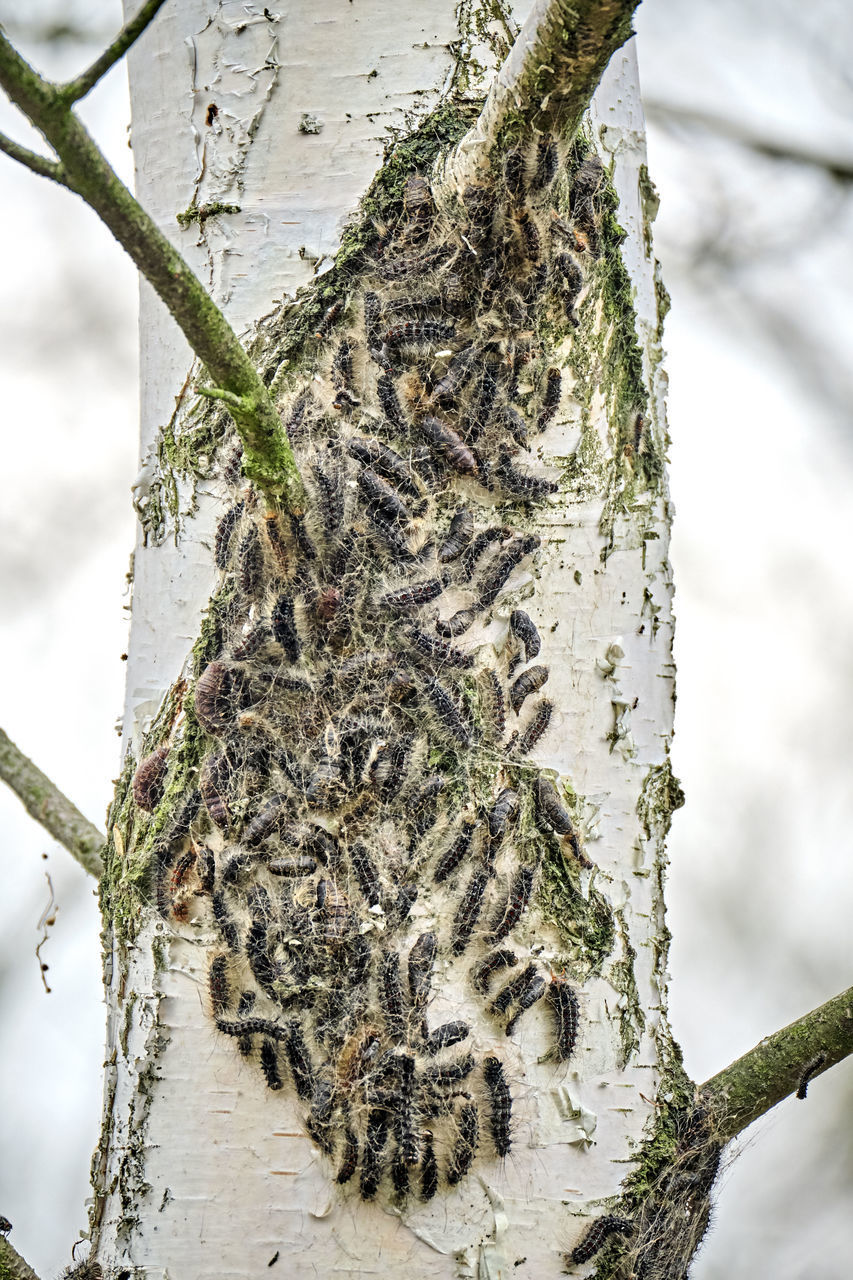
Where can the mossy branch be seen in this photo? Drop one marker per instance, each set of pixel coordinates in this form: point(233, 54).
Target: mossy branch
point(268, 457)
point(774, 1068)
point(546, 82)
point(54, 811)
point(76, 89)
point(41, 165)
point(12, 1265)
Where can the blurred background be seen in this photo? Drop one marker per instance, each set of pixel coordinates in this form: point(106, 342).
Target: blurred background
point(749, 107)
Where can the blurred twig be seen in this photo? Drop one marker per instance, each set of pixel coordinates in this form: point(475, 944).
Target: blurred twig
point(129, 34)
point(54, 811)
point(669, 116)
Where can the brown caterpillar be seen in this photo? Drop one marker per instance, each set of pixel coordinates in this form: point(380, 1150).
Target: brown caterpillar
point(524, 629)
point(384, 461)
point(330, 318)
point(218, 985)
point(536, 729)
point(457, 851)
point(438, 651)
point(413, 596)
point(429, 1167)
point(517, 903)
point(250, 562)
point(421, 957)
point(564, 1004)
point(468, 1136)
point(549, 809)
point(498, 571)
point(550, 398)
point(491, 964)
point(225, 532)
point(534, 991)
point(449, 445)
point(149, 779)
point(383, 496)
point(468, 912)
point(458, 537)
point(216, 697)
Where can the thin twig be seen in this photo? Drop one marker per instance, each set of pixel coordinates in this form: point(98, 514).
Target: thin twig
point(76, 89)
point(546, 82)
point(774, 1068)
point(12, 1264)
point(41, 165)
point(670, 117)
point(54, 811)
point(268, 457)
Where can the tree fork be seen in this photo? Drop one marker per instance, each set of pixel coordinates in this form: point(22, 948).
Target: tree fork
point(546, 81)
point(84, 169)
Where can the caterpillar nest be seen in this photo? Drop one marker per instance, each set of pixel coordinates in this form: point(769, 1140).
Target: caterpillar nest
point(368, 827)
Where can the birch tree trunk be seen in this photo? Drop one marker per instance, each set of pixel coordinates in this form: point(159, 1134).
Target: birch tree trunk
point(265, 128)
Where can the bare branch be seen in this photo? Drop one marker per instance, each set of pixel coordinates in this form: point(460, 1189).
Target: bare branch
point(546, 82)
point(776, 1066)
point(12, 1264)
point(41, 165)
point(54, 811)
point(672, 117)
point(76, 89)
point(268, 457)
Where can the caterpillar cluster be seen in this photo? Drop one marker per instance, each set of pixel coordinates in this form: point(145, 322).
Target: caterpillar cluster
point(364, 827)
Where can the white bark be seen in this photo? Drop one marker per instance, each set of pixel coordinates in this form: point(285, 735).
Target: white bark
point(205, 1173)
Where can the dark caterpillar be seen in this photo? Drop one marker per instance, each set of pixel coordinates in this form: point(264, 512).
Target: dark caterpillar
point(596, 1237)
point(458, 536)
point(564, 1003)
point(814, 1066)
point(500, 1105)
